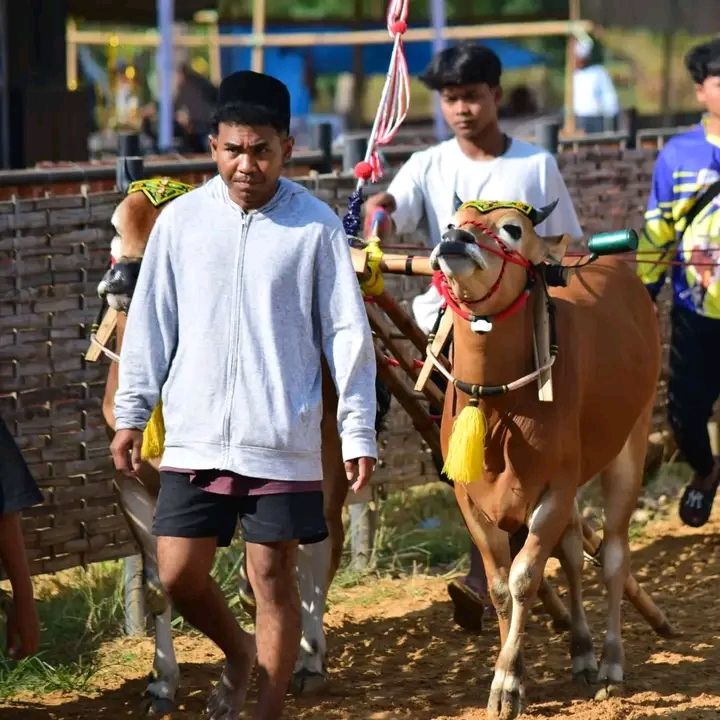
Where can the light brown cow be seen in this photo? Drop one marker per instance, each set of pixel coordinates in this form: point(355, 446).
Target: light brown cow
point(133, 220)
point(538, 453)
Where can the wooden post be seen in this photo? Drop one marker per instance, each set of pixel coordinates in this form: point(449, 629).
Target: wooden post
point(258, 27)
point(322, 140)
point(666, 93)
point(547, 134)
point(214, 54)
point(71, 55)
point(362, 531)
point(134, 597)
point(129, 165)
point(574, 16)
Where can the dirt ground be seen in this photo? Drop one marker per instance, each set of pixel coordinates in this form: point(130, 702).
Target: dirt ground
point(396, 654)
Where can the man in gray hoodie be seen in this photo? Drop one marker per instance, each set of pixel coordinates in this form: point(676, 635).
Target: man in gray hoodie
point(245, 284)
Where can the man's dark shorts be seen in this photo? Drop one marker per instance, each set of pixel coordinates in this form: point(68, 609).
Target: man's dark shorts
point(186, 510)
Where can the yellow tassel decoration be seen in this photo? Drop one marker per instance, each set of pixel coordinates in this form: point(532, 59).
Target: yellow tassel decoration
point(466, 448)
point(154, 435)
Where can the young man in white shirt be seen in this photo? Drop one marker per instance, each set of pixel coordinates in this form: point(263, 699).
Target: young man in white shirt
point(479, 163)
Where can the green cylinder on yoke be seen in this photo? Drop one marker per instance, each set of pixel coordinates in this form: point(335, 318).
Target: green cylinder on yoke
point(617, 241)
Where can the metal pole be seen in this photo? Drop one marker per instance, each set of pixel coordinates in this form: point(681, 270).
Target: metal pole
point(165, 66)
point(130, 164)
point(354, 150)
point(322, 140)
point(437, 18)
point(134, 596)
point(547, 135)
point(4, 90)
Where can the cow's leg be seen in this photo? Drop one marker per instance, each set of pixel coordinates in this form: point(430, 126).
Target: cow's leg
point(494, 546)
point(547, 523)
point(312, 565)
point(552, 604)
point(570, 554)
point(138, 505)
point(318, 563)
point(621, 482)
point(165, 678)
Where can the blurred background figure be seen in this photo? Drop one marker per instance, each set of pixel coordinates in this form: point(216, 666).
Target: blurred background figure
point(195, 98)
point(595, 99)
point(127, 101)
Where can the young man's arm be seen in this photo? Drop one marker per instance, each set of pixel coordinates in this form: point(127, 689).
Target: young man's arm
point(148, 345)
point(23, 625)
point(403, 199)
point(658, 239)
point(348, 347)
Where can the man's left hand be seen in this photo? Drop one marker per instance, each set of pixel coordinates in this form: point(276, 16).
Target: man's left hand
point(362, 468)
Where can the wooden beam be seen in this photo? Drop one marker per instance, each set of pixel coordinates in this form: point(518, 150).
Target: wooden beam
point(214, 54)
point(103, 335)
point(366, 37)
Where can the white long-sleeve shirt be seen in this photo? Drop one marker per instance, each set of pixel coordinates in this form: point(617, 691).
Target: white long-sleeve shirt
point(594, 93)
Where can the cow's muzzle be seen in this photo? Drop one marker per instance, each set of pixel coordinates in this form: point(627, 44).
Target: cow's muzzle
point(118, 284)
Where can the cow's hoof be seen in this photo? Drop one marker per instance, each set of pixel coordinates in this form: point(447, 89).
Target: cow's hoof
point(307, 682)
point(160, 708)
point(505, 705)
point(609, 690)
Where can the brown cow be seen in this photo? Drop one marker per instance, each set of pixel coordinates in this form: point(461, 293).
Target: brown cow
point(133, 220)
point(538, 453)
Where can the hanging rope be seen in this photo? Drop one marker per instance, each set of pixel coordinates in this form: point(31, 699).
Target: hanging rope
point(391, 112)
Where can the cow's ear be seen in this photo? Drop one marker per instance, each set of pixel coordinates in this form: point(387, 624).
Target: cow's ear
point(549, 248)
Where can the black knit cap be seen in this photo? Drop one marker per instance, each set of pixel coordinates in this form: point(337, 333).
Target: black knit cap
point(256, 91)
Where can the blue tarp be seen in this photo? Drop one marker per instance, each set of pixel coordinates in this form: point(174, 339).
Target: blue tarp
point(338, 58)
point(292, 65)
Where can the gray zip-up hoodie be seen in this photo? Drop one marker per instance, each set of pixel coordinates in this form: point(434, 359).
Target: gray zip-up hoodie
point(228, 321)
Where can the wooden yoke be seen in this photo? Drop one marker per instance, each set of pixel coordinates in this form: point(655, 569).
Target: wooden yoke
point(103, 335)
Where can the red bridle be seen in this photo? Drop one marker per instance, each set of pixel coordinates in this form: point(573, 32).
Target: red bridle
point(508, 255)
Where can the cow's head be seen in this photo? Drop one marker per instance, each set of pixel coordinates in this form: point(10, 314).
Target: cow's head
point(133, 220)
point(489, 250)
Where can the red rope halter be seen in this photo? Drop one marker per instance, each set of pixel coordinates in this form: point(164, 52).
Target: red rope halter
point(508, 255)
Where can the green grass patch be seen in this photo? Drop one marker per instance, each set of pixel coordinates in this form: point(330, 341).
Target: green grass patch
point(78, 609)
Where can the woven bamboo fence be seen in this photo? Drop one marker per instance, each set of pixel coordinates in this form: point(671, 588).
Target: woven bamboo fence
point(54, 252)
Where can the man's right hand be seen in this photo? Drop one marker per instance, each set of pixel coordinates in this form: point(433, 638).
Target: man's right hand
point(125, 448)
point(379, 201)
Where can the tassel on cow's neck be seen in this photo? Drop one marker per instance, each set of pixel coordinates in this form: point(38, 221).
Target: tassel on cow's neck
point(154, 435)
point(466, 447)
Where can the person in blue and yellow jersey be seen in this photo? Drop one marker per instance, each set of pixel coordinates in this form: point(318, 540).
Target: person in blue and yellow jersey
point(682, 224)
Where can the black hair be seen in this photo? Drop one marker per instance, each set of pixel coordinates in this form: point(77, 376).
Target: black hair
point(242, 113)
point(463, 64)
point(703, 61)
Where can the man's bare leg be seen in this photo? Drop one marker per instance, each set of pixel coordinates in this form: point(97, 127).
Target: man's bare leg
point(272, 573)
point(184, 565)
